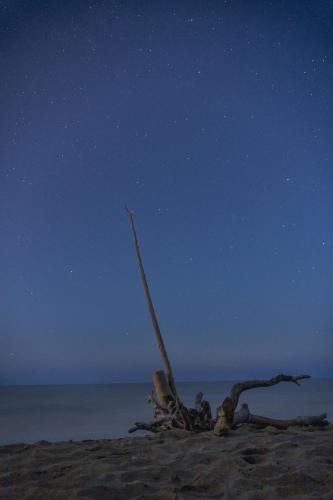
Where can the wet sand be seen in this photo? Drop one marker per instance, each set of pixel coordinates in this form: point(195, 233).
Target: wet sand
point(248, 464)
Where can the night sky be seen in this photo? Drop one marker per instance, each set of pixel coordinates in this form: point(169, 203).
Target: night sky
point(212, 120)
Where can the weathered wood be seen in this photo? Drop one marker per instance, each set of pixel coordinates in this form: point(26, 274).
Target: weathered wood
point(169, 411)
point(284, 424)
point(152, 399)
point(160, 343)
point(225, 417)
point(174, 415)
point(159, 423)
point(203, 409)
point(237, 389)
point(162, 388)
point(244, 416)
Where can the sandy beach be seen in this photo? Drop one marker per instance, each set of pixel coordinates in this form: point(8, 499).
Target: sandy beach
point(249, 464)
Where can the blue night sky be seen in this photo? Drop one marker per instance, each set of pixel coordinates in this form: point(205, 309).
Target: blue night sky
point(213, 121)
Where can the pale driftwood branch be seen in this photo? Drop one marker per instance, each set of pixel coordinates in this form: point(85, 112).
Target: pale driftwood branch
point(244, 416)
point(162, 388)
point(227, 416)
point(284, 424)
point(160, 342)
point(237, 389)
point(167, 405)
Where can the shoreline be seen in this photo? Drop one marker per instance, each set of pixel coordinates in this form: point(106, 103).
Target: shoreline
point(175, 465)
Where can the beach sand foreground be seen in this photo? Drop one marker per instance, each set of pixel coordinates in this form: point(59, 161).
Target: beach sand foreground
point(248, 464)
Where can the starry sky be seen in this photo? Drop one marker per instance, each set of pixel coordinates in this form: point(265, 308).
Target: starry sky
point(212, 120)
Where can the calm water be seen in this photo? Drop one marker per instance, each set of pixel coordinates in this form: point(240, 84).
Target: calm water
point(57, 413)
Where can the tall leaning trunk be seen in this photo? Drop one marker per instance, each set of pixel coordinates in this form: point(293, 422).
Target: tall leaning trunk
point(160, 343)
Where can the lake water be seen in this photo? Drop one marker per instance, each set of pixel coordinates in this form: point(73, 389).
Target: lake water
point(64, 412)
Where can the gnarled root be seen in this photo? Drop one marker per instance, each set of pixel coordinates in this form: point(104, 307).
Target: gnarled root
point(176, 415)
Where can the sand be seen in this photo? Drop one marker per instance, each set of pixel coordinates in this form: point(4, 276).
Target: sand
point(249, 463)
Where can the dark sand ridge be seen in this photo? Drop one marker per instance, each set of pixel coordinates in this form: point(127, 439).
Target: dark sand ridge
point(248, 464)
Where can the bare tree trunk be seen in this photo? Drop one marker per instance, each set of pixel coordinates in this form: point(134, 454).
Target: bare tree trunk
point(160, 343)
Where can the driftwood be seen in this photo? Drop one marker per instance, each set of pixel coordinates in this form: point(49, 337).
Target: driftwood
point(244, 416)
point(172, 416)
point(160, 343)
point(162, 388)
point(228, 417)
point(226, 412)
point(169, 411)
point(182, 411)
